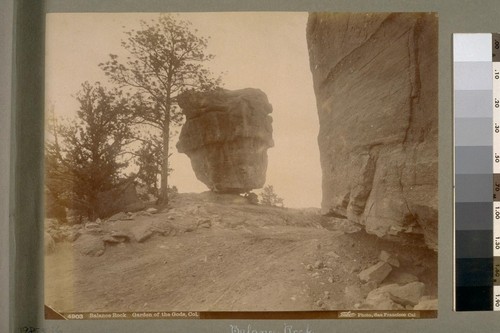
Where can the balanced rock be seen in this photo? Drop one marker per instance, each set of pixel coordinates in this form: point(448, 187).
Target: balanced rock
point(226, 135)
point(376, 83)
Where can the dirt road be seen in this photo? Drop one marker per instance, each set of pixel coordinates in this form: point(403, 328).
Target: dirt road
point(246, 259)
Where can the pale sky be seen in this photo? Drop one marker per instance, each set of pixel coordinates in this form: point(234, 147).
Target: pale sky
point(261, 50)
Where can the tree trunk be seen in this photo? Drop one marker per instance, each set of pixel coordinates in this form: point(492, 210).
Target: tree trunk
point(163, 197)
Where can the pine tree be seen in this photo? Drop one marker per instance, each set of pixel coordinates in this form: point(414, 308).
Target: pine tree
point(165, 58)
point(89, 160)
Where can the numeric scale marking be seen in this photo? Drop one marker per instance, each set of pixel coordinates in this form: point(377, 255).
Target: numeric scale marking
point(496, 170)
point(476, 87)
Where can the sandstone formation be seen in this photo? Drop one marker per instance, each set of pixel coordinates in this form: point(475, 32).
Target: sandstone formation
point(375, 80)
point(226, 135)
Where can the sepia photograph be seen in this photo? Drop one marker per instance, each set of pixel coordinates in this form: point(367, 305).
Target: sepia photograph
point(241, 165)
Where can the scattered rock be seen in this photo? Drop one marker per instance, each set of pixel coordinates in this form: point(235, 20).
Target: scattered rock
point(116, 237)
point(377, 272)
point(380, 301)
point(332, 254)
point(226, 135)
point(309, 267)
point(90, 245)
point(73, 235)
point(408, 294)
point(204, 223)
point(388, 258)
point(430, 304)
point(120, 217)
point(319, 264)
point(152, 210)
point(142, 232)
point(124, 198)
point(110, 239)
point(368, 287)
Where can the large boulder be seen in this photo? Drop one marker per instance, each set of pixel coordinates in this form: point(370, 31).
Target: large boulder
point(376, 85)
point(124, 198)
point(226, 135)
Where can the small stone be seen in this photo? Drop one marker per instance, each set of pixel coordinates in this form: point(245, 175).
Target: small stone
point(315, 275)
point(120, 235)
point(141, 232)
point(330, 279)
point(152, 210)
point(332, 255)
point(376, 272)
point(319, 264)
point(204, 223)
point(408, 294)
point(368, 287)
point(309, 267)
point(319, 303)
point(327, 294)
point(388, 258)
point(73, 235)
point(120, 217)
point(90, 245)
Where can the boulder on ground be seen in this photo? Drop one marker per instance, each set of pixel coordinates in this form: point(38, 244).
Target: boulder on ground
point(226, 135)
point(90, 245)
point(388, 258)
point(124, 198)
point(377, 272)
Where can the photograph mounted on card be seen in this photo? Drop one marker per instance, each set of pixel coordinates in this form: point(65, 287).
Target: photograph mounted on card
point(241, 165)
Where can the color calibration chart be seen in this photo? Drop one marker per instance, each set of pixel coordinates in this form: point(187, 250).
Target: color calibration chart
point(476, 89)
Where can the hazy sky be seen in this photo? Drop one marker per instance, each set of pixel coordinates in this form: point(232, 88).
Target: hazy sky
point(267, 51)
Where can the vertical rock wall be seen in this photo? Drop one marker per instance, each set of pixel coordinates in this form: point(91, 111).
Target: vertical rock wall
point(376, 86)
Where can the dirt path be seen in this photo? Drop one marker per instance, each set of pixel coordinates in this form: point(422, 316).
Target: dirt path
point(242, 268)
point(222, 254)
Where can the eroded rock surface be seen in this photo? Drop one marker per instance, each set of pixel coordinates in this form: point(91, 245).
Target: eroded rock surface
point(226, 136)
point(375, 80)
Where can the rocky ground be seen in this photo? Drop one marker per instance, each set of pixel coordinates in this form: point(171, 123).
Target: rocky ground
point(209, 252)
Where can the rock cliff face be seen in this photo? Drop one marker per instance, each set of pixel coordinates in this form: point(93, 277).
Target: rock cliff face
point(375, 80)
point(226, 136)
